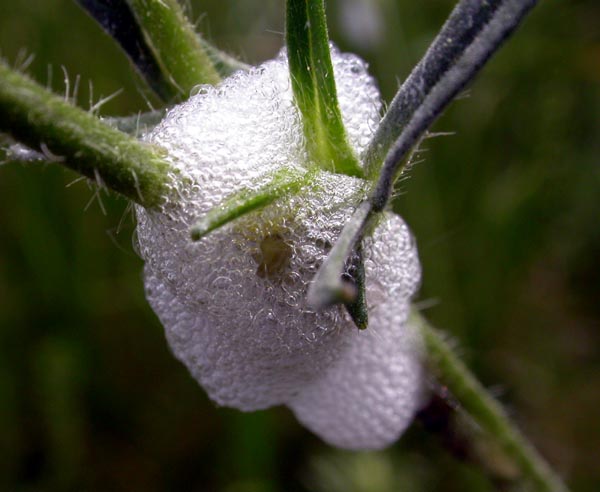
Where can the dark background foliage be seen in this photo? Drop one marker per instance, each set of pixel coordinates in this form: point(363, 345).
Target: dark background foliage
point(506, 213)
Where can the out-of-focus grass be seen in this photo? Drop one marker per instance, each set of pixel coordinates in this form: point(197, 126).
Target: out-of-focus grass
point(506, 213)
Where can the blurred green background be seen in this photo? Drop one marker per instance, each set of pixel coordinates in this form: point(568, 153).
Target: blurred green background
point(507, 216)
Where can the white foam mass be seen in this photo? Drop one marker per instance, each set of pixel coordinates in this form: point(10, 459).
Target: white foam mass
point(233, 304)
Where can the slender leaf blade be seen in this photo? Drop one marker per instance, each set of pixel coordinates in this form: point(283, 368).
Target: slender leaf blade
point(327, 287)
point(357, 308)
point(282, 182)
point(313, 84)
point(473, 33)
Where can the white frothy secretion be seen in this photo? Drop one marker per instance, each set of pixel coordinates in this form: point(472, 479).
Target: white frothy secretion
point(233, 304)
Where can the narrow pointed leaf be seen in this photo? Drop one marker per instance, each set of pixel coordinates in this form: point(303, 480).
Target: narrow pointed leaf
point(313, 83)
point(246, 201)
point(473, 32)
point(328, 286)
point(357, 308)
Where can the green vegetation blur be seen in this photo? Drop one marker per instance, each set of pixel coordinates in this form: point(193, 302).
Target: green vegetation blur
point(506, 211)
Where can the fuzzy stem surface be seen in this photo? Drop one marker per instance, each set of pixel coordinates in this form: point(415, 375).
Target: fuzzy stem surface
point(176, 46)
point(75, 138)
point(485, 410)
point(315, 92)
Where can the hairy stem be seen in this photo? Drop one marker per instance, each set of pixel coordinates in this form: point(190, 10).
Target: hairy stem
point(315, 92)
point(176, 46)
point(34, 116)
point(486, 411)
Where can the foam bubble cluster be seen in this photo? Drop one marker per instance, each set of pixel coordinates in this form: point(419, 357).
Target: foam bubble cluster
point(234, 304)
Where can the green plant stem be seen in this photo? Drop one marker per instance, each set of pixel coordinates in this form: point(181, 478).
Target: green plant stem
point(176, 46)
point(486, 411)
point(313, 83)
point(41, 120)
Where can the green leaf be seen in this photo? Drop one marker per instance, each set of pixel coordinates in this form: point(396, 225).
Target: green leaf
point(313, 84)
point(328, 286)
point(445, 70)
point(357, 308)
point(474, 31)
point(281, 183)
